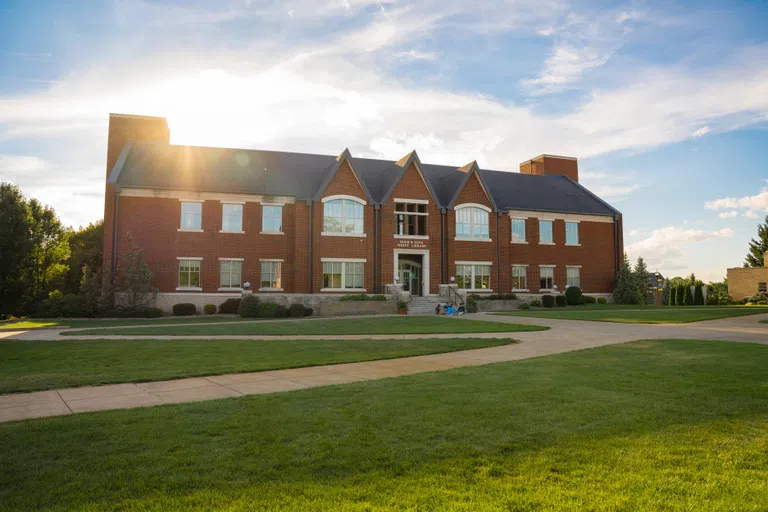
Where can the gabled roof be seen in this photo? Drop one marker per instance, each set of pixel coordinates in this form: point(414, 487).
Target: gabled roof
point(401, 166)
point(345, 156)
point(154, 165)
point(471, 169)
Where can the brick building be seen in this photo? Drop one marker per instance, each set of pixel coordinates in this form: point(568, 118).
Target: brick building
point(209, 220)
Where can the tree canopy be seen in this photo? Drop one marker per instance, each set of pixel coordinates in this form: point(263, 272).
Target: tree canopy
point(758, 246)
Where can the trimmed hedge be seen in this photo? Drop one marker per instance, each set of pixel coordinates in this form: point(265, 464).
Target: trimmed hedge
point(134, 313)
point(362, 297)
point(280, 312)
point(588, 299)
point(471, 304)
point(495, 296)
point(184, 309)
point(308, 311)
point(296, 310)
point(229, 307)
point(602, 300)
point(561, 301)
point(524, 306)
point(574, 296)
point(249, 307)
point(548, 301)
point(535, 303)
point(209, 309)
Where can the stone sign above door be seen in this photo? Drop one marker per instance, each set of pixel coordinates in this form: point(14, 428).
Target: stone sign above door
point(407, 243)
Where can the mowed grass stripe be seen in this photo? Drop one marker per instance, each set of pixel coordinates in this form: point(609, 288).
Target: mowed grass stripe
point(22, 325)
point(334, 326)
point(656, 425)
point(651, 315)
point(39, 365)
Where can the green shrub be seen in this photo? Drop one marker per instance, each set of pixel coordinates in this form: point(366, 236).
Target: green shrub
point(602, 300)
point(308, 311)
point(588, 299)
point(67, 306)
point(249, 307)
point(548, 301)
point(510, 296)
point(758, 297)
point(209, 309)
point(229, 307)
point(402, 305)
point(471, 305)
point(561, 301)
point(687, 299)
point(133, 313)
point(698, 298)
point(762, 302)
point(296, 310)
point(379, 298)
point(362, 297)
point(535, 303)
point(267, 310)
point(184, 309)
point(574, 296)
point(281, 311)
point(524, 306)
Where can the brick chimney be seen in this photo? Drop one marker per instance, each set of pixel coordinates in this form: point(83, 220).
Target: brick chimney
point(551, 164)
point(122, 129)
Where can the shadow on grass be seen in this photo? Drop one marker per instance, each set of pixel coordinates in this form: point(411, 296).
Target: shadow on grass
point(653, 424)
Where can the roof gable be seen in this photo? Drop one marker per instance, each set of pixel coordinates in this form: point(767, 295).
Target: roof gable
point(411, 160)
point(471, 169)
point(343, 161)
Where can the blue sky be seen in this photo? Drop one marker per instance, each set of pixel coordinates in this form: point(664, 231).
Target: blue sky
point(665, 104)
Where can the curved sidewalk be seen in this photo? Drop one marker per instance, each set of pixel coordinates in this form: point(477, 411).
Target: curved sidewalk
point(564, 336)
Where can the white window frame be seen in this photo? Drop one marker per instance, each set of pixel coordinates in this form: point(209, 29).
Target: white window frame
point(224, 205)
point(472, 224)
point(512, 230)
point(279, 273)
point(524, 276)
point(578, 235)
point(223, 288)
point(343, 199)
point(182, 215)
point(418, 214)
point(552, 269)
point(474, 264)
point(343, 262)
point(551, 231)
point(568, 269)
point(199, 260)
point(264, 207)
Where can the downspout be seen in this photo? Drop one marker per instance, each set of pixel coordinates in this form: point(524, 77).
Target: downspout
point(443, 255)
point(376, 220)
point(114, 240)
point(311, 261)
point(498, 252)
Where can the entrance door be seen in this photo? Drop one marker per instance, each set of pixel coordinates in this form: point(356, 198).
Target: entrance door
point(410, 276)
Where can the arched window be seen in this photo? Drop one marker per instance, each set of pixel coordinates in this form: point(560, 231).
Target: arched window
point(472, 222)
point(343, 215)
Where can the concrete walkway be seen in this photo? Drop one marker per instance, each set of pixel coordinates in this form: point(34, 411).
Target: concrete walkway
point(564, 336)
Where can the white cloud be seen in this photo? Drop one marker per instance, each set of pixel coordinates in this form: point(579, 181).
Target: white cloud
point(751, 214)
point(701, 131)
point(751, 205)
point(728, 215)
point(417, 55)
point(21, 164)
point(667, 248)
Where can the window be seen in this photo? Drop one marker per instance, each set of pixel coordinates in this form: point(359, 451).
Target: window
point(232, 218)
point(343, 275)
point(571, 233)
point(272, 219)
point(472, 223)
point(231, 271)
point(573, 277)
point(761, 287)
point(519, 277)
point(518, 231)
point(545, 232)
point(189, 273)
point(191, 216)
point(343, 216)
point(473, 277)
point(271, 275)
point(547, 277)
point(411, 219)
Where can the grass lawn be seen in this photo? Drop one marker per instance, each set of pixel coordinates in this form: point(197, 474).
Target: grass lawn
point(640, 314)
point(22, 325)
point(654, 425)
point(37, 365)
point(336, 326)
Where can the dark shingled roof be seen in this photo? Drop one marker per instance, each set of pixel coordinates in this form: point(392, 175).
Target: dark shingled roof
point(202, 169)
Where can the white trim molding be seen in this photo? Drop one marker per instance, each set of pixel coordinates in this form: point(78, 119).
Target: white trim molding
point(231, 259)
point(413, 201)
point(573, 266)
point(230, 289)
point(188, 289)
point(518, 264)
point(200, 197)
point(189, 230)
point(186, 200)
point(547, 266)
point(354, 290)
point(344, 196)
point(465, 239)
point(270, 289)
point(472, 205)
point(332, 233)
point(231, 232)
point(271, 233)
point(570, 217)
point(198, 258)
point(424, 266)
point(412, 237)
point(473, 262)
point(273, 260)
point(344, 260)
point(223, 201)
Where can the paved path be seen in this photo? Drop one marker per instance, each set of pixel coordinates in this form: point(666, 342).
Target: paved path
point(564, 336)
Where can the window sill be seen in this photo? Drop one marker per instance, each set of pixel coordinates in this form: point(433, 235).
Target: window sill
point(477, 290)
point(356, 290)
point(460, 239)
point(573, 245)
point(330, 233)
point(270, 289)
point(189, 230)
point(188, 289)
point(230, 289)
point(271, 233)
point(232, 232)
point(413, 237)
point(521, 242)
point(547, 290)
point(520, 290)
point(546, 243)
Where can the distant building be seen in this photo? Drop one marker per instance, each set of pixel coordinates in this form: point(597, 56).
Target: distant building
point(745, 282)
point(656, 284)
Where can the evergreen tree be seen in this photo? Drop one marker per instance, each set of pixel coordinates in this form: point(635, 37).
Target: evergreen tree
point(698, 296)
point(666, 295)
point(625, 291)
point(642, 282)
point(758, 246)
point(686, 291)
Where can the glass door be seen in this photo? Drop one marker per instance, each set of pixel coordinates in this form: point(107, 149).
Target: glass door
point(410, 276)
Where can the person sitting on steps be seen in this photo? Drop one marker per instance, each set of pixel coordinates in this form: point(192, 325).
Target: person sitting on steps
point(437, 309)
